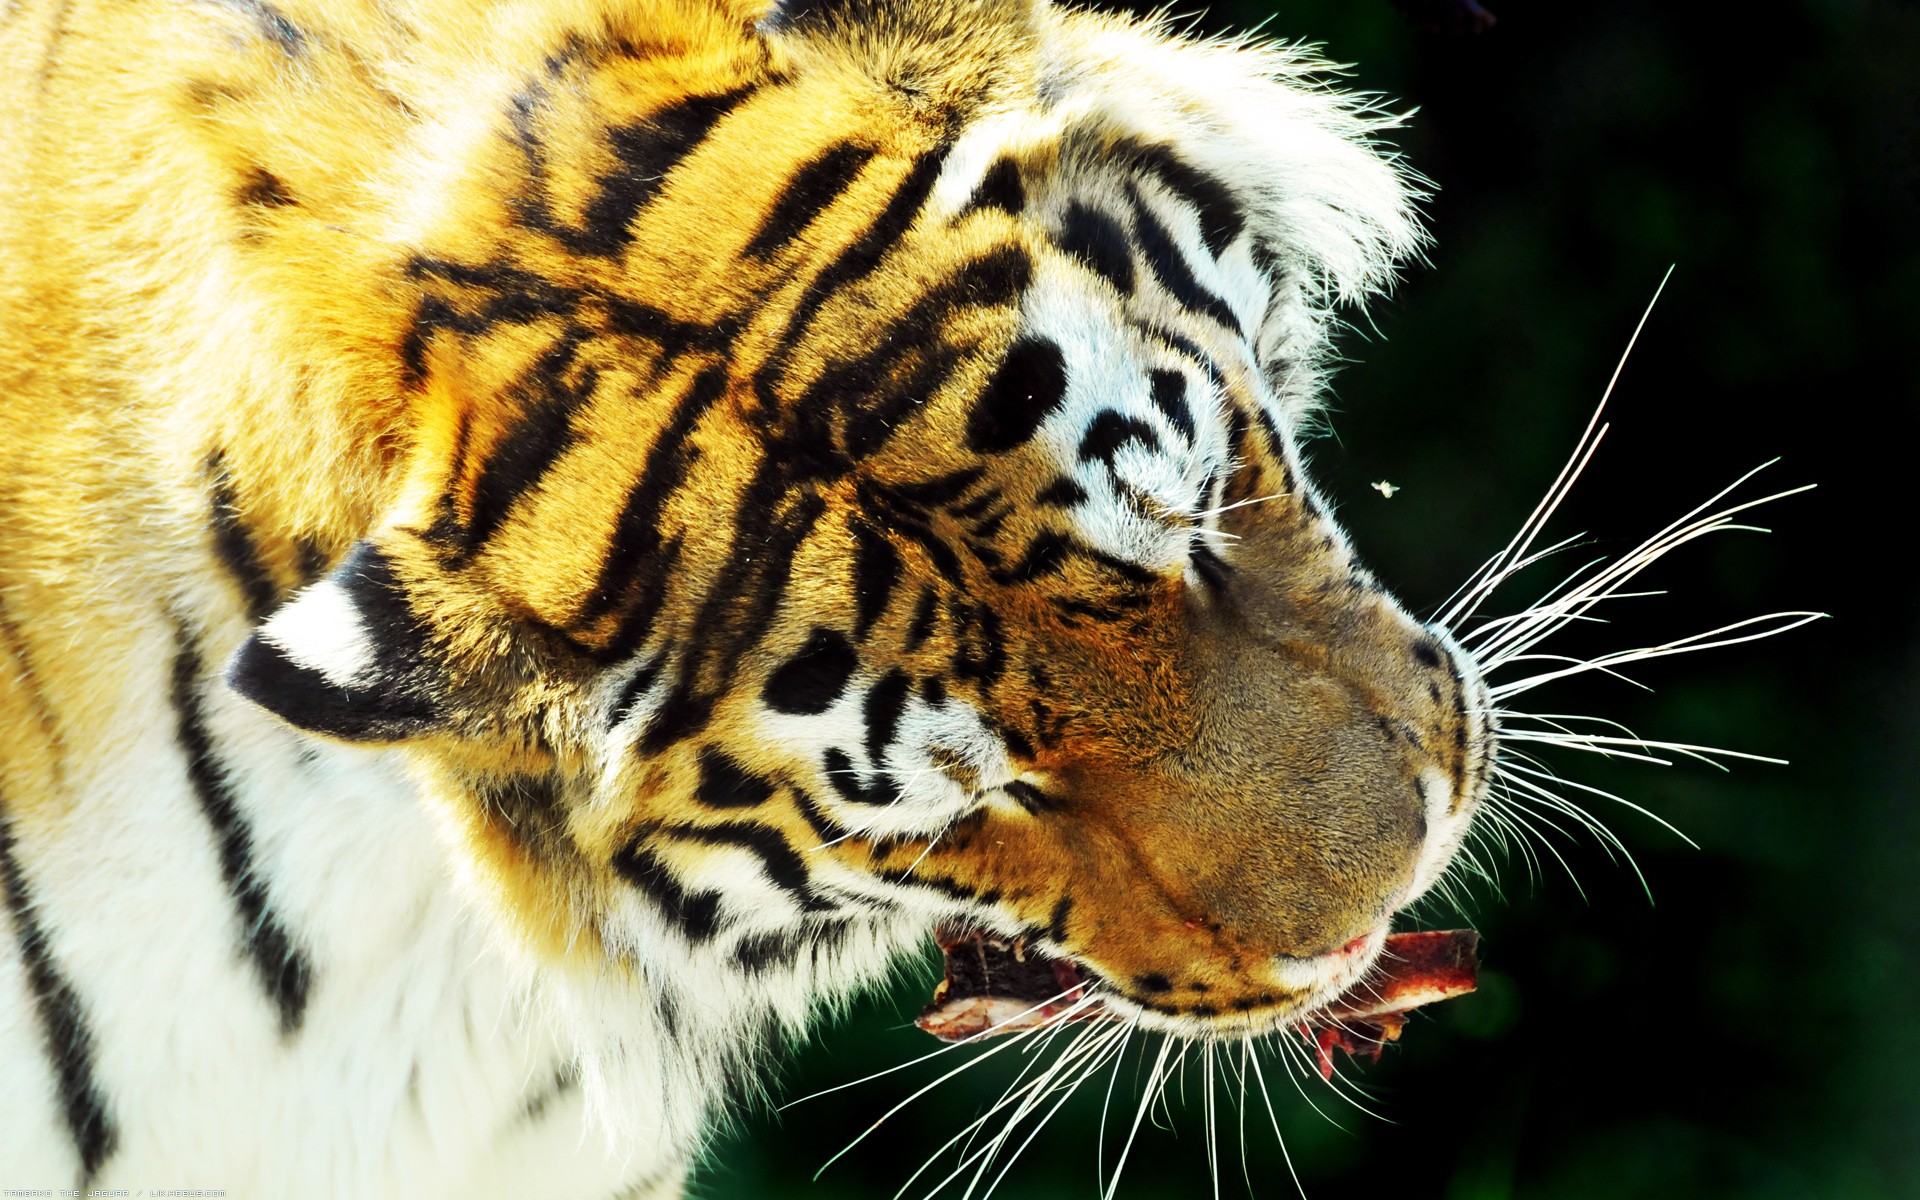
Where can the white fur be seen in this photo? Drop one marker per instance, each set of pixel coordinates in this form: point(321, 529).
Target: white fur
point(419, 1044)
point(321, 629)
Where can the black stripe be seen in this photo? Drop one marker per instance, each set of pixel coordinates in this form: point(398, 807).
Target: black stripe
point(1236, 433)
point(944, 884)
point(528, 806)
point(939, 490)
point(696, 913)
point(999, 188)
point(1047, 726)
point(69, 1041)
point(740, 608)
point(781, 862)
point(812, 189)
point(823, 826)
point(674, 336)
point(649, 588)
point(397, 697)
point(637, 539)
point(666, 1002)
point(1276, 445)
point(986, 530)
point(860, 258)
point(838, 767)
point(283, 969)
point(636, 687)
point(1029, 797)
point(1105, 614)
point(433, 315)
point(1110, 431)
point(1132, 572)
point(261, 188)
point(1170, 267)
point(922, 534)
point(648, 151)
point(809, 682)
point(886, 703)
point(725, 783)
point(977, 506)
point(1221, 219)
point(1170, 397)
point(1097, 240)
point(925, 612)
point(1211, 568)
point(1061, 493)
point(1047, 553)
point(565, 1079)
point(980, 646)
point(1027, 387)
point(758, 952)
point(234, 546)
point(877, 392)
point(311, 558)
point(540, 434)
point(1057, 923)
point(876, 568)
point(507, 295)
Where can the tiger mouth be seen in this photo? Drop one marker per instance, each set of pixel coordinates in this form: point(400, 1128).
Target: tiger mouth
point(996, 985)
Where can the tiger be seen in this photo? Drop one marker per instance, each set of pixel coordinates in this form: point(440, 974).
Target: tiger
point(546, 543)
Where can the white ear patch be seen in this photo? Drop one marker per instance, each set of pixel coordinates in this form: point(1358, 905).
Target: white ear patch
point(321, 629)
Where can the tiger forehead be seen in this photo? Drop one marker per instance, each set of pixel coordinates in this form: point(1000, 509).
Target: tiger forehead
point(851, 302)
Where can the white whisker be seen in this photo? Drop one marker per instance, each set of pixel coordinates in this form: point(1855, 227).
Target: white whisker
point(1709, 640)
point(1210, 1122)
point(1013, 1094)
point(1253, 1060)
point(1106, 1106)
point(1146, 1099)
point(1481, 583)
point(1094, 1061)
point(1510, 769)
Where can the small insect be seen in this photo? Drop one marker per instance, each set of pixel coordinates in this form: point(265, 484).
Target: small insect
point(1384, 488)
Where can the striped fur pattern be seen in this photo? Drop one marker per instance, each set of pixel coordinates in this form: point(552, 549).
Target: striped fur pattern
point(543, 541)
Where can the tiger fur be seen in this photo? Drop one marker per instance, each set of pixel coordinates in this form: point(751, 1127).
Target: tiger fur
point(542, 541)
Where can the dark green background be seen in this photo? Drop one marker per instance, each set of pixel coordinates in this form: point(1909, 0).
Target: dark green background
point(1750, 1032)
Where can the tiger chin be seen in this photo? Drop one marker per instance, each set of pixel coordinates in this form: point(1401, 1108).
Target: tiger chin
point(543, 541)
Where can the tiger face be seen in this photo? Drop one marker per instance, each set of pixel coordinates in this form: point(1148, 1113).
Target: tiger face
point(855, 487)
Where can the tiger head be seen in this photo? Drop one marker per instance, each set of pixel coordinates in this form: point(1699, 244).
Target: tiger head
point(850, 483)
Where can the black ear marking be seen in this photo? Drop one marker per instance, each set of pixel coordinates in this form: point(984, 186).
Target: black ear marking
point(346, 657)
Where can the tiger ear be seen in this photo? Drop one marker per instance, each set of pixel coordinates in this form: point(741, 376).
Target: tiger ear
point(346, 657)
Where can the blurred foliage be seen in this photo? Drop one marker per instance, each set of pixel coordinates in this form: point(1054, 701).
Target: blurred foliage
point(1749, 1032)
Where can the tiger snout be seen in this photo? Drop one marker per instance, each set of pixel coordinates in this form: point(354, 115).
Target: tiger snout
point(1326, 782)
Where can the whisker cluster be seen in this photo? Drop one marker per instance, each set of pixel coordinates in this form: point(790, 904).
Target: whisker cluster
point(1064, 1055)
point(1527, 807)
point(1527, 800)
